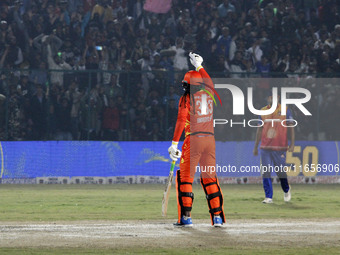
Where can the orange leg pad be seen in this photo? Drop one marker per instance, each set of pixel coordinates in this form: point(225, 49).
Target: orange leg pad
point(214, 197)
point(185, 197)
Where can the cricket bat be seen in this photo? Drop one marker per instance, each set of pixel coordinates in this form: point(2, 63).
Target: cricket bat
point(167, 190)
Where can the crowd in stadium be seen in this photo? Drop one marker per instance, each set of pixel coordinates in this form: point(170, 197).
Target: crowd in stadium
point(270, 38)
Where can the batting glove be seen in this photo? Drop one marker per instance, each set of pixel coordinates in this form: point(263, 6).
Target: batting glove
point(196, 60)
point(174, 153)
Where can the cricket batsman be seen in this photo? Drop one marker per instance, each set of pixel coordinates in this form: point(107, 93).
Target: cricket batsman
point(274, 144)
point(195, 116)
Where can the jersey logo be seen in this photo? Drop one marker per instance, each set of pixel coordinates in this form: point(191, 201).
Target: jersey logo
point(204, 106)
point(271, 133)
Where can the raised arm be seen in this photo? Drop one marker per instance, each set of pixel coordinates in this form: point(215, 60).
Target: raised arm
point(57, 42)
point(37, 41)
point(50, 60)
point(20, 57)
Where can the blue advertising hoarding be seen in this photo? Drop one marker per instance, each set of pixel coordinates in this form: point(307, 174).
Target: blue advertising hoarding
point(95, 158)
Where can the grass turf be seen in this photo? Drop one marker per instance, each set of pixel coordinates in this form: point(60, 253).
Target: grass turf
point(21, 203)
point(121, 202)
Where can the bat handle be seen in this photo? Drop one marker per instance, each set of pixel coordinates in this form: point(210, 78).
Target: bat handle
point(173, 163)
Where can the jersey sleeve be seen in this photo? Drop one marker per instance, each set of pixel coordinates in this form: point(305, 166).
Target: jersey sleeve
point(206, 79)
point(183, 112)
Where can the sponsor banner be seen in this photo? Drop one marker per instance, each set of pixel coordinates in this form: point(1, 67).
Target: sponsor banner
point(126, 162)
point(18, 181)
point(53, 180)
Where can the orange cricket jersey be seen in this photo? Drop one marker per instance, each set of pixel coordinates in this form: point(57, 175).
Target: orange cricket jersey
point(196, 116)
point(274, 134)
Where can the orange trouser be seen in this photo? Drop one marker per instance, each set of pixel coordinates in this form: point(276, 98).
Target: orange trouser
point(198, 150)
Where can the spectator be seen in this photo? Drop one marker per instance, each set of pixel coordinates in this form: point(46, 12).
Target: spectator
point(172, 111)
point(138, 132)
point(273, 38)
point(110, 122)
point(38, 114)
point(24, 88)
point(172, 95)
point(14, 57)
point(224, 8)
point(74, 96)
point(56, 63)
point(145, 65)
point(223, 42)
point(263, 66)
point(90, 109)
point(39, 76)
point(15, 122)
point(155, 134)
point(114, 90)
point(255, 51)
point(237, 65)
point(64, 121)
point(180, 60)
point(103, 10)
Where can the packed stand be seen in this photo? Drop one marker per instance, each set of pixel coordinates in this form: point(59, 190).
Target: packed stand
point(117, 69)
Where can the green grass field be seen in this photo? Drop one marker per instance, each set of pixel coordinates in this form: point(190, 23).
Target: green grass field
point(58, 203)
point(121, 202)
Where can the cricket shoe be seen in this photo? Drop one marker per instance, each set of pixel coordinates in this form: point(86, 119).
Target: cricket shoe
point(185, 222)
point(218, 221)
point(287, 196)
point(267, 200)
